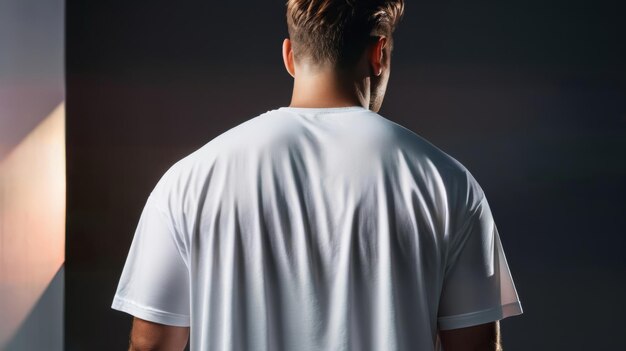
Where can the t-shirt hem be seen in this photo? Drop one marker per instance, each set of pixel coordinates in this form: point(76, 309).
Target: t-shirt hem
point(149, 313)
point(480, 317)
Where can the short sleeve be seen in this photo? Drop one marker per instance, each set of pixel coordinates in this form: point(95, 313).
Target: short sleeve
point(478, 287)
point(154, 284)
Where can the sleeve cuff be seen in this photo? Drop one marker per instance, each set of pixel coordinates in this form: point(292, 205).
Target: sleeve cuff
point(480, 317)
point(149, 313)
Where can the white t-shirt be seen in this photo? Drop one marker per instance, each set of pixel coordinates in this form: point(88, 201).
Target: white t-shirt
point(317, 229)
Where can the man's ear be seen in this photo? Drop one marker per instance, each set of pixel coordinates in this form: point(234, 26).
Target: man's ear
point(377, 55)
point(288, 58)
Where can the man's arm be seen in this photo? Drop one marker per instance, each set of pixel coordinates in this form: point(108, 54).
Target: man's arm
point(476, 338)
point(150, 336)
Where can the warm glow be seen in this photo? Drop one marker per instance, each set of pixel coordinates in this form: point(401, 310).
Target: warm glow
point(32, 219)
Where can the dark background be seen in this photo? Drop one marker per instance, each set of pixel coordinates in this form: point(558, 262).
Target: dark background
point(529, 95)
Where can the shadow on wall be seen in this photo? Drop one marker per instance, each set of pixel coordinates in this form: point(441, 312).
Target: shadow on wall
point(45, 320)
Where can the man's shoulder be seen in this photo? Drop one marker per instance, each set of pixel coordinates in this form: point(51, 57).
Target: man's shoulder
point(422, 149)
point(433, 160)
point(248, 134)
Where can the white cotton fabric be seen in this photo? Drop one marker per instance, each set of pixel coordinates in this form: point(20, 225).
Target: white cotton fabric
point(317, 229)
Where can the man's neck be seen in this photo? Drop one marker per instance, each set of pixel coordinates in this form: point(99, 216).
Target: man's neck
point(327, 89)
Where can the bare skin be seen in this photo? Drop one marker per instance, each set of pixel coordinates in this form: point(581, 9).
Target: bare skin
point(365, 86)
point(150, 336)
point(483, 337)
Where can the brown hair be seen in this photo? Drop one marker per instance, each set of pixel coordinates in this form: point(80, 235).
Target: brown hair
point(337, 31)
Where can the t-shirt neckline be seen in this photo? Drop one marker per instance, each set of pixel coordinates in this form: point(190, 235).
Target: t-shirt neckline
point(324, 109)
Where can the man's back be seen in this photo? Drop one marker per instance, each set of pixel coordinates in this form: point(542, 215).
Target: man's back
point(317, 229)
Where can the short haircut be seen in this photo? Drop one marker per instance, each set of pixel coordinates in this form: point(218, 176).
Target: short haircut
point(336, 32)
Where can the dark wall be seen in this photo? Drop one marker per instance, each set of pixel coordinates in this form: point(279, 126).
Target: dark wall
point(529, 95)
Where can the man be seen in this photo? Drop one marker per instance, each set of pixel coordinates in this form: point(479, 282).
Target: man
point(320, 225)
